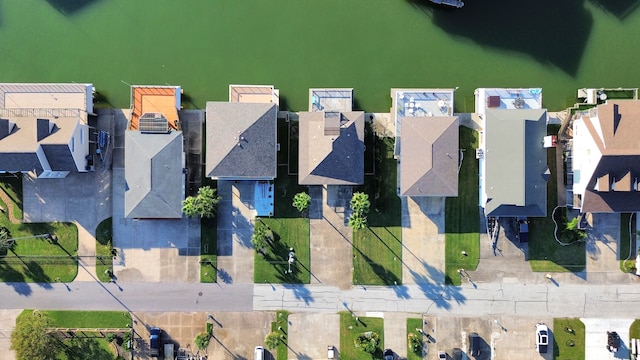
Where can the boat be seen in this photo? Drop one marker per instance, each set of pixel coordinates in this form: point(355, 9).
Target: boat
point(455, 3)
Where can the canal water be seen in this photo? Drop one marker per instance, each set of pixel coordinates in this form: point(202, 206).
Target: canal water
point(372, 46)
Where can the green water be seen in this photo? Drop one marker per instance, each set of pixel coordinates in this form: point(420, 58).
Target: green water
point(373, 45)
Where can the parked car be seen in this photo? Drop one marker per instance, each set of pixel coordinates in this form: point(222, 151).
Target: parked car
point(331, 352)
point(388, 354)
point(474, 344)
point(542, 338)
point(154, 341)
point(258, 353)
point(442, 355)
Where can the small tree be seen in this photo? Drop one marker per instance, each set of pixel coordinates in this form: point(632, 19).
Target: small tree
point(301, 201)
point(262, 235)
point(202, 340)
point(272, 340)
point(204, 205)
point(415, 343)
point(29, 339)
point(360, 205)
point(367, 341)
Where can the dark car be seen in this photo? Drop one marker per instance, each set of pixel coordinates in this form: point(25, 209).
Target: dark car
point(388, 354)
point(474, 344)
point(456, 354)
point(154, 341)
point(613, 341)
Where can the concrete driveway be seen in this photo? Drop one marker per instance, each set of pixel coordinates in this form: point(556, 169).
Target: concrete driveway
point(502, 337)
point(310, 334)
point(596, 338)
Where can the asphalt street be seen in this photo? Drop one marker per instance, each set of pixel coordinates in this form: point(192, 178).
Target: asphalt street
point(509, 299)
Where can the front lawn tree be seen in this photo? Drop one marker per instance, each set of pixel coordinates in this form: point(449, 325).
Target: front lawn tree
point(301, 201)
point(204, 205)
point(360, 205)
point(202, 340)
point(262, 236)
point(272, 340)
point(29, 339)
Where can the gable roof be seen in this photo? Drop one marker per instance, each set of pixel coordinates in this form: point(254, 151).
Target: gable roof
point(241, 140)
point(429, 154)
point(331, 148)
point(515, 162)
point(153, 174)
point(612, 187)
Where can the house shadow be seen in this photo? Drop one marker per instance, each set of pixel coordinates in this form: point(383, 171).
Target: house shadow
point(618, 8)
point(550, 32)
point(70, 7)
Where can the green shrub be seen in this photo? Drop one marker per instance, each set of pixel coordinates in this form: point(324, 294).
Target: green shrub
point(367, 341)
point(202, 340)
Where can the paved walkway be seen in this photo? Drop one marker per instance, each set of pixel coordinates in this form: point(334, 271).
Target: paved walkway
point(235, 228)
point(331, 243)
point(422, 240)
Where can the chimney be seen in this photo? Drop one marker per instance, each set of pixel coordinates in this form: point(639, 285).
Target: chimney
point(43, 128)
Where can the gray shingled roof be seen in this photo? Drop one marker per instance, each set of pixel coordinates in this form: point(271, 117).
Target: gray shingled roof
point(515, 162)
point(429, 154)
point(329, 159)
point(241, 140)
point(153, 174)
point(19, 148)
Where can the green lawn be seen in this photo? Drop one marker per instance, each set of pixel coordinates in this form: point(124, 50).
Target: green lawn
point(90, 345)
point(462, 214)
point(634, 330)
point(12, 185)
point(412, 325)
point(627, 259)
point(545, 254)
point(36, 259)
point(271, 267)
point(89, 319)
point(568, 345)
point(281, 322)
point(208, 250)
point(377, 253)
point(208, 239)
point(104, 246)
point(349, 330)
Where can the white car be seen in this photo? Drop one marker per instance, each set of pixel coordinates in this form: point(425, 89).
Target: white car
point(331, 352)
point(542, 338)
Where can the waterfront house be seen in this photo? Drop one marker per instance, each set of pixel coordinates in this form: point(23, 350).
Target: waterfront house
point(512, 158)
point(426, 142)
point(604, 160)
point(242, 145)
point(154, 154)
point(43, 128)
point(331, 140)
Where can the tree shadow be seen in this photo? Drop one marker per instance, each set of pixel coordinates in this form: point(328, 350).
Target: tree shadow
point(619, 8)
point(70, 7)
point(300, 292)
point(86, 348)
point(551, 32)
point(16, 279)
point(35, 272)
point(434, 289)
